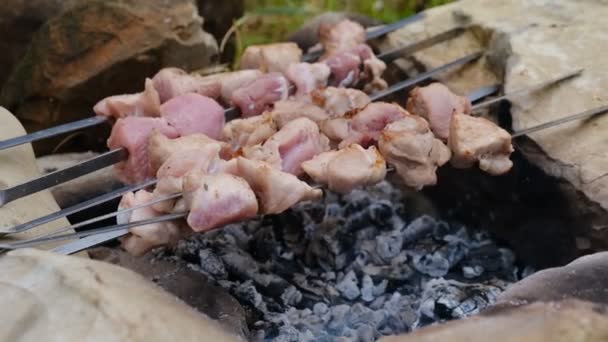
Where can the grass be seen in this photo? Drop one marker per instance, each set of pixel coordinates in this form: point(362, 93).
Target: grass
point(268, 21)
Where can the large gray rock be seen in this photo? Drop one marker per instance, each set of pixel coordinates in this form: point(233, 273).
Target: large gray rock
point(583, 279)
point(51, 297)
point(566, 321)
point(526, 42)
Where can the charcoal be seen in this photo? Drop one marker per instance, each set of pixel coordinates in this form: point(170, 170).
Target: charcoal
point(351, 267)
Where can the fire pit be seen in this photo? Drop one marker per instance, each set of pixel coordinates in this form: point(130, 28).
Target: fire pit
point(352, 267)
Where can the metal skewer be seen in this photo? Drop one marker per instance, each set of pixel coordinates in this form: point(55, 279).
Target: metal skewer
point(101, 235)
point(117, 155)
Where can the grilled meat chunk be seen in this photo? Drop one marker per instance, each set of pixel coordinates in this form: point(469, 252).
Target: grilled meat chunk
point(271, 57)
point(347, 168)
point(410, 146)
point(437, 104)
point(307, 77)
point(289, 110)
point(339, 102)
point(233, 80)
point(144, 238)
point(342, 36)
point(276, 191)
point(260, 94)
point(299, 140)
point(193, 113)
point(366, 125)
point(240, 133)
point(146, 103)
point(132, 133)
point(215, 200)
point(474, 139)
point(173, 82)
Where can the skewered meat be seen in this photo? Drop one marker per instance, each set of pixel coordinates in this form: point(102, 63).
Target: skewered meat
point(160, 147)
point(259, 95)
point(338, 102)
point(307, 77)
point(170, 174)
point(437, 104)
point(194, 113)
point(373, 68)
point(298, 141)
point(289, 110)
point(146, 103)
point(348, 168)
point(367, 124)
point(336, 129)
point(250, 131)
point(277, 191)
point(215, 200)
point(410, 146)
point(132, 133)
point(344, 68)
point(271, 57)
point(233, 80)
point(172, 82)
point(342, 36)
point(474, 139)
point(144, 238)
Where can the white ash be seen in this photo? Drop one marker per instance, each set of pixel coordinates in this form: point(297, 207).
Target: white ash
point(351, 268)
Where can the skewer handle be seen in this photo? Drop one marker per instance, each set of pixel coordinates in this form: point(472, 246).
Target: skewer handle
point(586, 114)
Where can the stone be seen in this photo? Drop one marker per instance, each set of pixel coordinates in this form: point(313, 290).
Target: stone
point(51, 297)
point(564, 321)
point(527, 42)
point(18, 164)
point(82, 188)
point(100, 48)
point(583, 279)
point(186, 284)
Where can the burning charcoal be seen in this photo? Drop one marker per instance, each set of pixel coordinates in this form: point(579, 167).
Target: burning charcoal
point(388, 246)
point(418, 229)
point(367, 288)
point(291, 296)
point(470, 272)
point(338, 312)
point(250, 295)
point(349, 286)
point(211, 264)
point(435, 265)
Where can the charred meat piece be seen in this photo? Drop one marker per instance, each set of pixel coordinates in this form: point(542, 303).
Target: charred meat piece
point(367, 124)
point(298, 141)
point(172, 82)
point(146, 103)
point(215, 200)
point(474, 139)
point(289, 110)
point(144, 238)
point(160, 148)
point(250, 131)
point(276, 191)
point(347, 168)
point(339, 102)
point(437, 104)
point(271, 57)
point(194, 113)
point(132, 133)
point(342, 36)
point(307, 77)
point(259, 95)
point(231, 81)
point(410, 146)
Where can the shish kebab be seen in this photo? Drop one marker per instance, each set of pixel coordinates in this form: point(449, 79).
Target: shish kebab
point(310, 56)
point(91, 238)
point(117, 233)
point(119, 192)
point(112, 157)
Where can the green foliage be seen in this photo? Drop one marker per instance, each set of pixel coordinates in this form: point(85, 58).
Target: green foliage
point(268, 21)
